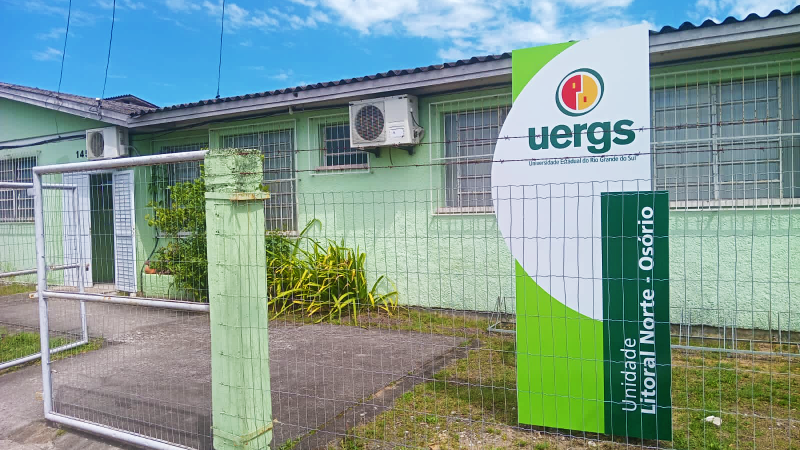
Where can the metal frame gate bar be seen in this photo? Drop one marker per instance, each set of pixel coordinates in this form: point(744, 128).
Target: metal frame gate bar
point(43, 293)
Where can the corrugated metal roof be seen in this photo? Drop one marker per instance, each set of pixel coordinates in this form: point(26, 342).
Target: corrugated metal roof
point(132, 99)
point(108, 104)
point(474, 60)
point(135, 110)
point(730, 20)
point(345, 81)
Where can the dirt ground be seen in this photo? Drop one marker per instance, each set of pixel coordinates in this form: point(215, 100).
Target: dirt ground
point(152, 376)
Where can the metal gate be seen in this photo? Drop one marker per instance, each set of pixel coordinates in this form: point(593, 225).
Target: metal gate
point(123, 386)
point(67, 339)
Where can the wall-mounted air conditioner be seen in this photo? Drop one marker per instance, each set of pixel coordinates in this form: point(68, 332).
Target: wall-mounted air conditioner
point(106, 143)
point(388, 121)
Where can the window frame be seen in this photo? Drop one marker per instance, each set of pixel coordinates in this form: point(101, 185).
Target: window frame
point(171, 176)
point(323, 139)
point(475, 105)
point(220, 135)
point(16, 198)
point(721, 82)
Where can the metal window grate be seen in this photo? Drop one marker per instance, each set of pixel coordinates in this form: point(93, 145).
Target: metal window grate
point(169, 175)
point(336, 147)
point(331, 135)
point(470, 138)
point(730, 137)
point(277, 146)
point(15, 204)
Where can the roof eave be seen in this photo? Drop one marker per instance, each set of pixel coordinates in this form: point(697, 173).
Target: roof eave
point(664, 48)
point(65, 106)
point(724, 39)
point(498, 71)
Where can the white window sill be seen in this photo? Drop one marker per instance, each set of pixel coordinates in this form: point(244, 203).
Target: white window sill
point(464, 210)
point(16, 222)
point(286, 234)
point(733, 204)
point(342, 168)
point(180, 235)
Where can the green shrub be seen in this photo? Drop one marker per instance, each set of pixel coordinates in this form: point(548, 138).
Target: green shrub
point(321, 281)
point(184, 223)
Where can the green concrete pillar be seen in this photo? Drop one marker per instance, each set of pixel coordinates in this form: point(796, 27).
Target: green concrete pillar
point(237, 291)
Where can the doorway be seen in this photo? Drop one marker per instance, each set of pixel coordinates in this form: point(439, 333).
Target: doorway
point(101, 201)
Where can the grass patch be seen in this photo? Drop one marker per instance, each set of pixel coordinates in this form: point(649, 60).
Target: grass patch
point(16, 288)
point(405, 319)
point(17, 345)
point(473, 401)
point(756, 397)
point(290, 444)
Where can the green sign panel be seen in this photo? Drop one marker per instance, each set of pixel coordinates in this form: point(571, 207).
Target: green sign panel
point(636, 344)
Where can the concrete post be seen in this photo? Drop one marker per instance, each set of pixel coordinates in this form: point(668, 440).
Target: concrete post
point(237, 291)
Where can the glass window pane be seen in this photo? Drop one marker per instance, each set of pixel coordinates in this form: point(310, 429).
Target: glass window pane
point(470, 138)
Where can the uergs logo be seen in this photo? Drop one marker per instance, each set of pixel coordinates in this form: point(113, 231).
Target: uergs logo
point(579, 92)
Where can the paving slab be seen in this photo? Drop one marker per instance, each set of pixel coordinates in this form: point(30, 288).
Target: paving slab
point(152, 376)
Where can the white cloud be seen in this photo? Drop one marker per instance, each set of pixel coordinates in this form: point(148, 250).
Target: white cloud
point(237, 17)
point(293, 20)
point(54, 33)
point(121, 4)
point(246, 43)
point(181, 5)
point(719, 9)
point(48, 54)
point(78, 17)
point(366, 14)
point(283, 75)
point(319, 16)
point(472, 27)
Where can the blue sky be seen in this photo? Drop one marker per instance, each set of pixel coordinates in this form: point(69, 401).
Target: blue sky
point(165, 51)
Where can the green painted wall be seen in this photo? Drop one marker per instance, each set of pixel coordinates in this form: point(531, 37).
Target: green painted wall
point(19, 121)
point(736, 268)
point(460, 261)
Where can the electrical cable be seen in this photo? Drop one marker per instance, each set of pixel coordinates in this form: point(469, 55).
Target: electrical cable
point(42, 142)
point(221, 33)
point(63, 56)
point(64, 52)
point(110, 39)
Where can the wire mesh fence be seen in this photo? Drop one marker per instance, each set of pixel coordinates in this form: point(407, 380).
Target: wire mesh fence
point(397, 311)
point(144, 371)
point(385, 321)
point(19, 331)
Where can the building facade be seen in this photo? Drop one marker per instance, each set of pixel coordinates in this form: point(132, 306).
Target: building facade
point(725, 102)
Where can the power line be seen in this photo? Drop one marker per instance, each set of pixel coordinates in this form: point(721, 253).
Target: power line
point(110, 39)
point(64, 52)
point(221, 32)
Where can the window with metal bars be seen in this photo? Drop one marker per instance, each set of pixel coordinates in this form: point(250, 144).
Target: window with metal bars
point(336, 148)
point(728, 140)
point(15, 204)
point(279, 173)
point(470, 138)
point(179, 172)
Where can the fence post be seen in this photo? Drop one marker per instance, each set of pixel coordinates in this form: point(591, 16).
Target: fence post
point(237, 290)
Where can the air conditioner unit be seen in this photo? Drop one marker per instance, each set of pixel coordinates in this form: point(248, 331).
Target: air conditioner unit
point(388, 121)
point(106, 143)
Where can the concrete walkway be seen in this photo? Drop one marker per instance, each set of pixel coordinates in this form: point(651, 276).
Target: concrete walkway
point(152, 376)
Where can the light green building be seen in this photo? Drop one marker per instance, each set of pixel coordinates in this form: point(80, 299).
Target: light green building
point(725, 101)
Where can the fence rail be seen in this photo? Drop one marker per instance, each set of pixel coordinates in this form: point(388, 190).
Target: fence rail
point(394, 314)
